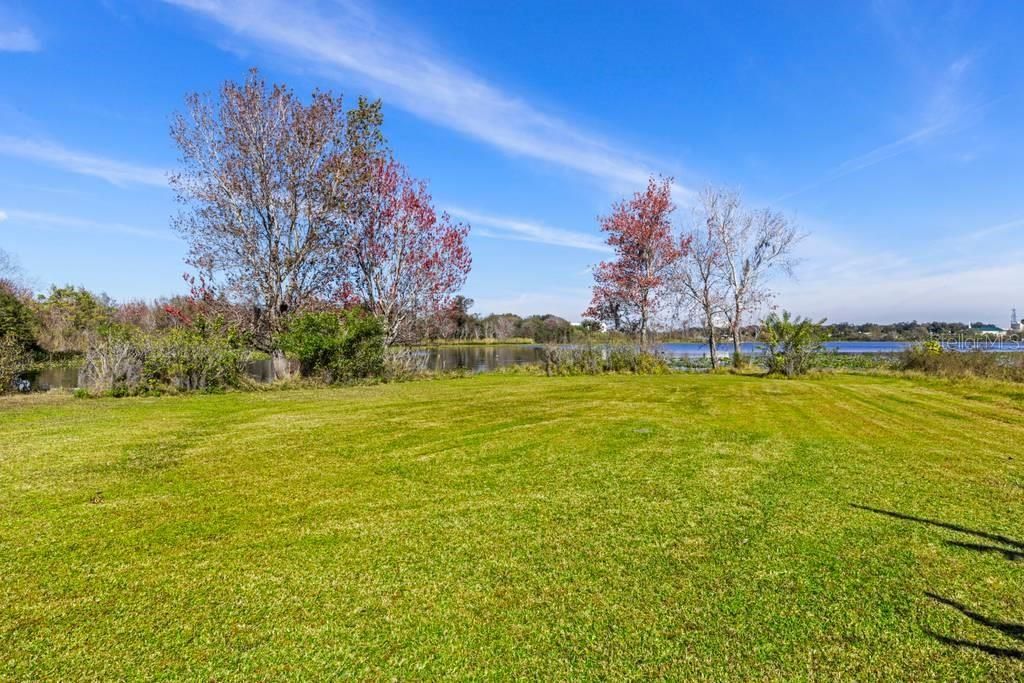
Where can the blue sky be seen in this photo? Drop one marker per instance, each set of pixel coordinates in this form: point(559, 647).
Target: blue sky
point(891, 131)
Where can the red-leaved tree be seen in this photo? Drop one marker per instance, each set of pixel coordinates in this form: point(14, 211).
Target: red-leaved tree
point(627, 290)
point(406, 260)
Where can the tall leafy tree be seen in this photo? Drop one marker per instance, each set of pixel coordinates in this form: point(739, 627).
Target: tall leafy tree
point(267, 184)
point(627, 290)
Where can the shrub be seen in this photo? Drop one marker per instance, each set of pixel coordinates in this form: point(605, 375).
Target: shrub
point(340, 347)
point(206, 356)
point(15, 360)
point(362, 348)
point(691, 363)
point(405, 364)
point(791, 344)
point(113, 361)
point(193, 359)
point(742, 361)
point(925, 357)
point(931, 358)
point(589, 359)
point(834, 360)
point(314, 339)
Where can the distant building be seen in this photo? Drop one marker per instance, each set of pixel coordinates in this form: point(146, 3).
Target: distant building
point(988, 330)
point(1015, 325)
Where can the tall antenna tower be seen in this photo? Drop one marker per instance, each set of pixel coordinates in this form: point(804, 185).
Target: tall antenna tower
point(1013, 319)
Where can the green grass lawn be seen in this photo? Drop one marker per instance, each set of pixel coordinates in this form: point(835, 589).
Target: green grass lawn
point(681, 526)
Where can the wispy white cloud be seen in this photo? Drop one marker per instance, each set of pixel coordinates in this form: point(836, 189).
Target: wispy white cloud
point(845, 278)
point(943, 111)
point(888, 150)
point(111, 170)
point(3, 216)
point(984, 292)
point(528, 231)
point(50, 221)
point(19, 39)
point(350, 39)
point(994, 229)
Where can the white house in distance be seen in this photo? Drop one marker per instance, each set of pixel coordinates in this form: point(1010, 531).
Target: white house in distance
point(988, 330)
point(993, 331)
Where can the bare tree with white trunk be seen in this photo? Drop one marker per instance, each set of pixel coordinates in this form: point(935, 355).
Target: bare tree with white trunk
point(697, 280)
point(752, 246)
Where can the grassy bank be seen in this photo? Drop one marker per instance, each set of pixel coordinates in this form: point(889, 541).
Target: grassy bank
point(676, 526)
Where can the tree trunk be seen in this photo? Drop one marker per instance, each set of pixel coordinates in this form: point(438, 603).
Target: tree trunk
point(643, 327)
point(279, 365)
point(736, 355)
point(713, 346)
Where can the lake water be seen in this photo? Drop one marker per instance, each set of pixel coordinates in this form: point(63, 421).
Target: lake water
point(55, 378)
point(490, 357)
point(752, 348)
point(484, 358)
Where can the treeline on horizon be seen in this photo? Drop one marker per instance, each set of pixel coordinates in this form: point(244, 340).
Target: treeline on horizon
point(61, 322)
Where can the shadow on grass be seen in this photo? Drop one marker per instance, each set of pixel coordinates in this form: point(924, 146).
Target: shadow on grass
point(1013, 553)
point(1015, 631)
point(1001, 652)
point(1005, 540)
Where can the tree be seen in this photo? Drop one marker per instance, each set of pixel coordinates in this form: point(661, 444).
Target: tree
point(266, 182)
point(752, 245)
point(608, 306)
point(546, 329)
point(792, 343)
point(405, 260)
point(627, 289)
point(69, 316)
point(15, 360)
point(697, 280)
point(500, 325)
point(16, 319)
point(460, 320)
